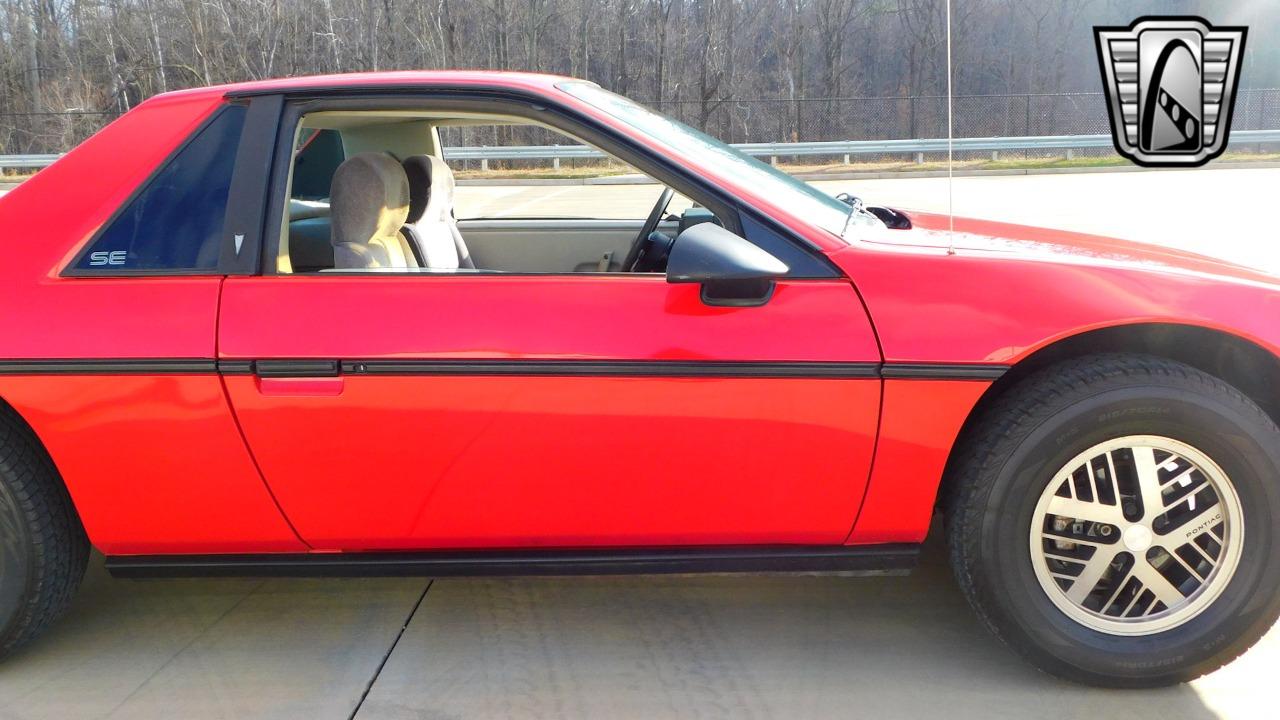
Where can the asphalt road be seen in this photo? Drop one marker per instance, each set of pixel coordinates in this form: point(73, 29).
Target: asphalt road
point(637, 647)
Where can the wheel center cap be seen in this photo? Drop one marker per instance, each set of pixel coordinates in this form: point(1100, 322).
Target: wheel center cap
point(1137, 538)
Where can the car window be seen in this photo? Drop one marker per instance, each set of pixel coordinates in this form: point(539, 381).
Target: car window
point(175, 222)
point(818, 207)
point(484, 195)
point(504, 173)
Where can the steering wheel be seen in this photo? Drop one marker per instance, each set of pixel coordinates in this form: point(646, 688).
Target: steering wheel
point(650, 225)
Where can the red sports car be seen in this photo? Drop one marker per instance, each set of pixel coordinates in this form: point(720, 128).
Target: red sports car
point(260, 329)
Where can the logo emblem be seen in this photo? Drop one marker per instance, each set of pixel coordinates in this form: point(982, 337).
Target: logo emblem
point(1170, 84)
point(102, 257)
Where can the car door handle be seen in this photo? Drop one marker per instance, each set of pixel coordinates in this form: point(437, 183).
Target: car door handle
point(296, 368)
point(298, 377)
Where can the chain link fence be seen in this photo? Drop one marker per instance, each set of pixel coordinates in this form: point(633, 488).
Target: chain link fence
point(768, 120)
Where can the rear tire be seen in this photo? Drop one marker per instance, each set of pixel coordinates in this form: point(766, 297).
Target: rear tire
point(43, 548)
point(1088, 436)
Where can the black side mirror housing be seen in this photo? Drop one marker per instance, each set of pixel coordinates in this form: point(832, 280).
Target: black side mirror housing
point(732, 271)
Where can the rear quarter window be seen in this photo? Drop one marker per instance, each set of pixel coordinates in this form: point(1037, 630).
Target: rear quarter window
point(175, 222)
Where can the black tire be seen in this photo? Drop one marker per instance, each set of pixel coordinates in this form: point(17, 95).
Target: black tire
point(1007, 459)
point(43, 548)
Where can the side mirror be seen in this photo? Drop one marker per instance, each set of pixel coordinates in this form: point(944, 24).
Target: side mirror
point(732, 271)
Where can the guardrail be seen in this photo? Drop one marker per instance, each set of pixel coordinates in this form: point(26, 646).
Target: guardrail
point(917, 147)
point(846, 149)
point(27, 161)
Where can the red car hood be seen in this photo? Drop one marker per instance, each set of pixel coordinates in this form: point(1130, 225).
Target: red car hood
point(972, 234)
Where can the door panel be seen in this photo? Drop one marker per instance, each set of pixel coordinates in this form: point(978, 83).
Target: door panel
point(420, 461)
point(551, 245)
point(475, 411)
point(620, 317)
point(525, 246)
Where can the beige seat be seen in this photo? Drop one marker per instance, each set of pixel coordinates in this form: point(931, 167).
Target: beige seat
point(368, 205)
point(431, 225)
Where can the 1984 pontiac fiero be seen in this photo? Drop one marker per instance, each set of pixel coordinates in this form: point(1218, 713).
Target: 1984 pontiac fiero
point(253, 330)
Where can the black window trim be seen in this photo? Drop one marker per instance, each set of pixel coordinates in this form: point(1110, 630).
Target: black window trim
point(519, 104)
point(251, 185)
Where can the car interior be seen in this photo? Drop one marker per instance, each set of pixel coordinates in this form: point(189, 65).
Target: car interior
point(372, 191)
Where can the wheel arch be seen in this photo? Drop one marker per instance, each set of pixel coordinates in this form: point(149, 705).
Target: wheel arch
point(7, 408)
point(1239, 361)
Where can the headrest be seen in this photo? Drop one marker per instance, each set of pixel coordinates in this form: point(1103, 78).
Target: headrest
point(430, 188)
point(369, 198)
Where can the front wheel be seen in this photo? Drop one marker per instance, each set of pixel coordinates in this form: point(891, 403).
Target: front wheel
point(1114, 520)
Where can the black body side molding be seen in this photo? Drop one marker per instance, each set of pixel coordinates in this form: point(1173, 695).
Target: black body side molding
point(941, 371)
point(867, 559)
point(286, 367)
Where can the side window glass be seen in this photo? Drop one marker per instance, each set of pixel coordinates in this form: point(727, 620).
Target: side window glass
point(390, 192)
point(511, 187)
point(175, 223)
point(319, 154)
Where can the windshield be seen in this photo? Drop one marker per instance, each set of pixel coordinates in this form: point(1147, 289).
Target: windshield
point(806, 201)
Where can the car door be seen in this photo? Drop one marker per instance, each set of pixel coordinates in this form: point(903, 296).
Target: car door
point(489, 409)
point(424, 412)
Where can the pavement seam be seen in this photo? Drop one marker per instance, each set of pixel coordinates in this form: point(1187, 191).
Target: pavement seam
point(392, 648)
point(184, 648)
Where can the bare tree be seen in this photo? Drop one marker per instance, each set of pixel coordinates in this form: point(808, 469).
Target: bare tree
point(749, 69)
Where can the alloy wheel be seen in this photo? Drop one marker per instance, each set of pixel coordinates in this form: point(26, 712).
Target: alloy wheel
point(1136, 535)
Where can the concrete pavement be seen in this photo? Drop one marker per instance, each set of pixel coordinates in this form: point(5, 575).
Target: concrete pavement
point(209, 649)
point(629, 647)
point(725, 647)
